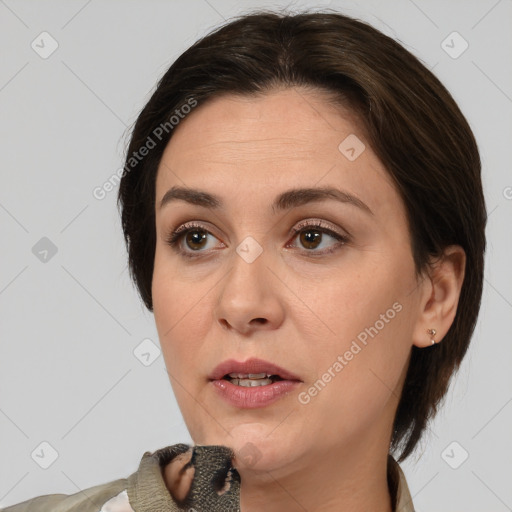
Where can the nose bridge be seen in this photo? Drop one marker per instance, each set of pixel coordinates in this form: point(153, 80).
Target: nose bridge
point(248, 292)
point(247, 274)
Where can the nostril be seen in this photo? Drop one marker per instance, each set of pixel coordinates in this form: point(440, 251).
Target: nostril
point(224, 323)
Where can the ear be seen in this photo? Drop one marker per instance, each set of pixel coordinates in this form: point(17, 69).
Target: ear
point(441, 296)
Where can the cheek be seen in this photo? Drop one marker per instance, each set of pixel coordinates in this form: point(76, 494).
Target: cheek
point(177, 308)
point(346, 300)
point(360, 358)
point(181, 315)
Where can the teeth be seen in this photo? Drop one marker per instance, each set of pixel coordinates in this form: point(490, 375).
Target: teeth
point(250, 375)
point(249, 383)
point(250, 380)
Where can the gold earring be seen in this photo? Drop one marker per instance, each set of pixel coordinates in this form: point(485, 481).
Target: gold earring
point(432, 333)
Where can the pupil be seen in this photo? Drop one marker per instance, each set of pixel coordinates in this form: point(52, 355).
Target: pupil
point(195, 237)
point(309, 238)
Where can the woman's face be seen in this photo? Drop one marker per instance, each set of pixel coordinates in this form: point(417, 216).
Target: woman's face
point(334, 305)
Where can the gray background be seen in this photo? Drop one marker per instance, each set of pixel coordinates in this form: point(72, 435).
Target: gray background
point(69, 325)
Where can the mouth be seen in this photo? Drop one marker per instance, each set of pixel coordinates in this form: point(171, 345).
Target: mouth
point(251, 373)
point(252, 384)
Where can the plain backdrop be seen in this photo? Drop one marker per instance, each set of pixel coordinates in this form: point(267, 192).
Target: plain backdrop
point(71, 371)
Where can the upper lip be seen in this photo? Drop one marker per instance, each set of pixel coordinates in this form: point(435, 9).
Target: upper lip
point(252, 365)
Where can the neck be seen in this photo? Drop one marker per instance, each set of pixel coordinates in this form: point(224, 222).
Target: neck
point(348, 480)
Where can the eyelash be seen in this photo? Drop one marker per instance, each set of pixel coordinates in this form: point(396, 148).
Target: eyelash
point(175, 237)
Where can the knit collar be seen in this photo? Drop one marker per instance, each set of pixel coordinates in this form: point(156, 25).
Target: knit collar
point(148, 492)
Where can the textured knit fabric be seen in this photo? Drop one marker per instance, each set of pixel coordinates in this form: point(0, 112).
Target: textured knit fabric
point(215, 487)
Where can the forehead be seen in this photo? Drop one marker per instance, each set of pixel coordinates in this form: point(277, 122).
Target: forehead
point(290, 136)
point(288, 123)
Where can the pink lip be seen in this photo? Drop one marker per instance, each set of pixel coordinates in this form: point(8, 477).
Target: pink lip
point(252, 397)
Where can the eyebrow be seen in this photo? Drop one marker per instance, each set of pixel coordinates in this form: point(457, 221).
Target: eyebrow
point(290, 199)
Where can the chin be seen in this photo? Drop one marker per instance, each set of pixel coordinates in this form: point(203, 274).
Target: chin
point(257, 446)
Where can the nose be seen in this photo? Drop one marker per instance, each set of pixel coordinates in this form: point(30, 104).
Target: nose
point(249, 297)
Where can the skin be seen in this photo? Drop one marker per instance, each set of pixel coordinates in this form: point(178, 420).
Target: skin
point(287, 306)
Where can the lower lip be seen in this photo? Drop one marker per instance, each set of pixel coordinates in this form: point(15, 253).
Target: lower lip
point(253, 397)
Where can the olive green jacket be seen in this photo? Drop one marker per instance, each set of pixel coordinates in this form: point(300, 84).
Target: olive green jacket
point(146, 491)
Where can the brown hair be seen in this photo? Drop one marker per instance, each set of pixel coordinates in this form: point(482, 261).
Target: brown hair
point(411, 121)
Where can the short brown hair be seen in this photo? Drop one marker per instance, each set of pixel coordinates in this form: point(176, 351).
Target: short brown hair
point(411, 121)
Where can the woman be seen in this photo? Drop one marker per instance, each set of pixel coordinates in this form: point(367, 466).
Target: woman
point(303, 211)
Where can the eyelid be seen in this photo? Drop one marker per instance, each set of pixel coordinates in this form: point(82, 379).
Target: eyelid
point(174, 239)
point(322, 224)
point(301, 225)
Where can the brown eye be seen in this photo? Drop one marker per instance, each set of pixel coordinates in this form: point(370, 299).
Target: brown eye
point(191, 240)
point(195, 239)
point(310, 238)
point(316, 238)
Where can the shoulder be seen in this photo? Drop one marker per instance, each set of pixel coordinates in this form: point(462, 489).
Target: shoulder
point(146, 490)
point(400, 494)
point(108, 497)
